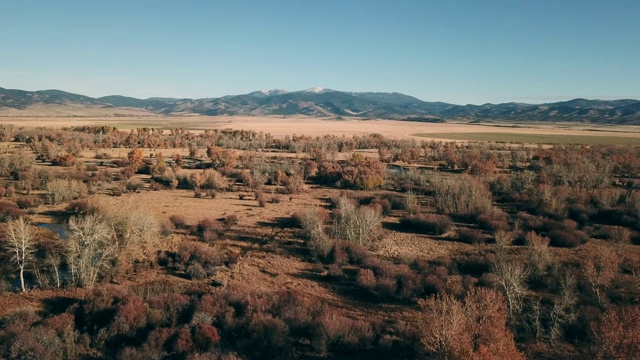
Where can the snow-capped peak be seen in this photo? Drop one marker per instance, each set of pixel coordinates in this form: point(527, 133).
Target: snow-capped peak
point(316, 90)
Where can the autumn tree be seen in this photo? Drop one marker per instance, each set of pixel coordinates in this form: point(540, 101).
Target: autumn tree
point(362, 172)
point(222, 157)
point(616, 334)
point(135, 157)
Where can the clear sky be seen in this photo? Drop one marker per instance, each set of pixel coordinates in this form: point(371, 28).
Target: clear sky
point(473, 51)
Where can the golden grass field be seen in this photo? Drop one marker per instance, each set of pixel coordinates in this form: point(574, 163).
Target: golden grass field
point(300, 125)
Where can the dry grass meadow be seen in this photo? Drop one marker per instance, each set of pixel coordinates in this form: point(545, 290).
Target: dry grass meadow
point(125, 119)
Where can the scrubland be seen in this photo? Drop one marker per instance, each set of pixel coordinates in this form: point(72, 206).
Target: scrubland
point(238, 244)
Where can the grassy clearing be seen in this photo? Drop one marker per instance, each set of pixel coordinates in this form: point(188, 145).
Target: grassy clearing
point(536, 138)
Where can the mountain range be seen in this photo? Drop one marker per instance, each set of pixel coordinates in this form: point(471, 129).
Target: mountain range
point(322, 102)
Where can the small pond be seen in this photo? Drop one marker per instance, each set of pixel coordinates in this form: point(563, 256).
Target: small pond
point(59, 229)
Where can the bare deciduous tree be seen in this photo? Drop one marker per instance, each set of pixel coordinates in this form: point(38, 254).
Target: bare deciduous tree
point(600, 271)
point(504, 239)
point(53, 259)
point(511, 276)
point(444, 331)
point(89, 247)
point(359, 224)
point(21, 244)
point(61, 190)
point(538, 253)
point(620, 236)
point(131, 224)
point(563, 311)
point(469, 329)
point(464, 196)
point(312, 221)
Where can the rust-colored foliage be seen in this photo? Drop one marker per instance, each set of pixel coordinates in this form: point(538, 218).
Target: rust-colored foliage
point(616, 334)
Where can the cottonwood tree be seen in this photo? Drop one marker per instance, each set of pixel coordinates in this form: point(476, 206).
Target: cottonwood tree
point(472, 328)
point(63, 190)
point(135, 157)
point(131, 224)
point(538, 253)
point(312, 221)
point(359, 224)
point(620, 236)
point(444, 332)
point(463, 196)
point(563, 311)
point(89, 247)
point(510, 276)
point(503, 239)
point(600, 270)
point(22, 243)
point(53, 259)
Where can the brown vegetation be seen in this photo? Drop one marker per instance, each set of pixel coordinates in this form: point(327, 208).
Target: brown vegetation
point(361, 246)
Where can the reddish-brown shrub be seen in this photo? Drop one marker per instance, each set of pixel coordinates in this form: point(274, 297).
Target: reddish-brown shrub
point(385, 206)
point(366, 279)
point(166, 309)
point(119, 162)
point(29, 201)
point(61, 324)
point(216, 307)
point(135, 157)
point(567, 238)
point(130, 314)
point(267, 336)
point(471, 236)
point(196, 252)
point(166, 227)
point(179, 221)
point(616, 335)
point(196, 271)
point(358, 254)
point(339, 256)
point(209, 227)
point(493, 221)
point(429, 224)
point(230, 220)
point(345, 333)
point(64, 160)
point(474, 264)
point(433, 285)
point(205, 336)
point(183, 343)
point(386, 287)
point(9, 211)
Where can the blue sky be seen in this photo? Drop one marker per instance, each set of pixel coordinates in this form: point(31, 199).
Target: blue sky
point(454, 51)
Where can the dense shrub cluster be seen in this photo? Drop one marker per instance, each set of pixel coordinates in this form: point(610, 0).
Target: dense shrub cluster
point(461, 196)
point(360, 172)
point(165, 323)
point(428, 224)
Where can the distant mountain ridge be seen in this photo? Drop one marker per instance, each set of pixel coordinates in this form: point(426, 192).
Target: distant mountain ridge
point(322, 102)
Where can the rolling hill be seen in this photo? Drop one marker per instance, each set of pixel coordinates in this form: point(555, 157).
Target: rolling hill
point(322, 102)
